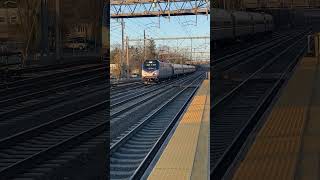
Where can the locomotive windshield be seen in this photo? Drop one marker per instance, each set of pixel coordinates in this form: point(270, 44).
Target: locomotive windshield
point(151, 65)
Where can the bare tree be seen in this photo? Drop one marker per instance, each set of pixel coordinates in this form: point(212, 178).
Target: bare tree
point(151, 49)
point(115, 57)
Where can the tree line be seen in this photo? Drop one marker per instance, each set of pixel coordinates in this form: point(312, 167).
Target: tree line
point(137, 54)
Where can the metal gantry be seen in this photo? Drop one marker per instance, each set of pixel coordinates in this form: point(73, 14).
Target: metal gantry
point(156, 8)
point(175, 38)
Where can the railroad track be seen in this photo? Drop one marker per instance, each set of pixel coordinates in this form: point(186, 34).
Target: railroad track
point(226, 62)
point(126, 114)
point(237, 112)
point(243, 47)
point(21, 111)
point(50, 79)
point(124, 82)
point(19, 72)
point(13, 99)
point(133, 87)
point(131, 155)
point(231, 72)
point(130, 87)
point(54, 121)
point(37, 152)
point(115, 90)
point(48, 84)
point(27, 114)
point(136, 92)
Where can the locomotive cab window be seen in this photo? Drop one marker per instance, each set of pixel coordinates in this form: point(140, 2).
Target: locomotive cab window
point(151, 65)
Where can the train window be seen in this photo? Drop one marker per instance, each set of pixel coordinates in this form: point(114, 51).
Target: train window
point(151, 65)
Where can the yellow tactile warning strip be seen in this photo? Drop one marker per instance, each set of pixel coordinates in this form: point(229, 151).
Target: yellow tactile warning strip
point(186, 155)
point(309, 164)
point(199, 171)
point(276, 151)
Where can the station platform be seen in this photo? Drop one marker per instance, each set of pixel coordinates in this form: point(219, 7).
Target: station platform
point(287, 145)
point(186, 154)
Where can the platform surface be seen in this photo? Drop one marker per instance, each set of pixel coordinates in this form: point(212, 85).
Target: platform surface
point(186, 155)
point(287, 146)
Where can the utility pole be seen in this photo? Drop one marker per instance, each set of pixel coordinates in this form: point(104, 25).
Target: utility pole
point(191, 50)
point(57, 29)
point(144, 49)
point(122, 48)
point(128, 64)
point(144, 45)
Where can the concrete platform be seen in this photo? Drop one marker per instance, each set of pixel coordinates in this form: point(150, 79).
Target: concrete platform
point(186, 155)
point(287, 146)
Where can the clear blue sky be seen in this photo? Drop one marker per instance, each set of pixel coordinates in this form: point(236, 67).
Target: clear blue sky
point(178, 26)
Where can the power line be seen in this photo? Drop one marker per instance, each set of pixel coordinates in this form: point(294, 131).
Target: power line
point(176, 38)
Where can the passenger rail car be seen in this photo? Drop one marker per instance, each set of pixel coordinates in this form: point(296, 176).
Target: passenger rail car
point(156, 70)
point(238, 24)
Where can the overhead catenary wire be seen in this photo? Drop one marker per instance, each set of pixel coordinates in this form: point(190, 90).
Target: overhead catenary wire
point(155, 30)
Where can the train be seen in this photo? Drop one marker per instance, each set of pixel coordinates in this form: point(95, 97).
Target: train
point(238, 24)
point(155, 70)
